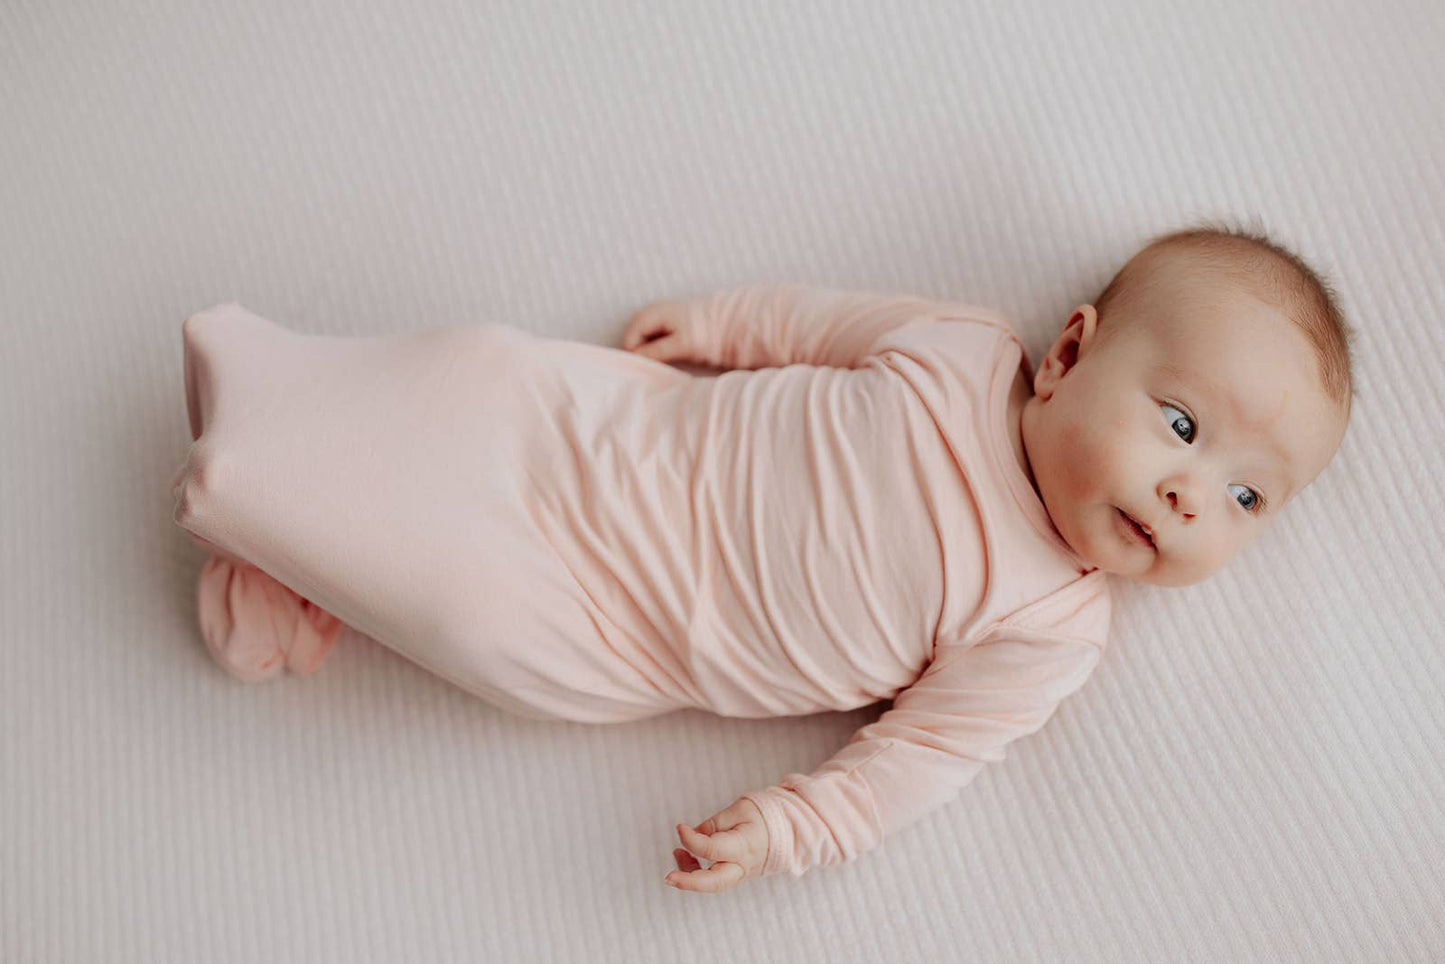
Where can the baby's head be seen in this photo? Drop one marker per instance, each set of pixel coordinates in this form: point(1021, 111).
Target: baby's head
point(1207, 386)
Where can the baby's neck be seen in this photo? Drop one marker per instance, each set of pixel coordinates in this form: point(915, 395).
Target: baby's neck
point(1018, 397)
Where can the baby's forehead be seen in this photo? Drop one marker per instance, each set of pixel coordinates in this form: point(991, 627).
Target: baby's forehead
point(1189, 304)
point(1189, 293)
point(1226, 338)
point(1239, 344)
point(1188, 277)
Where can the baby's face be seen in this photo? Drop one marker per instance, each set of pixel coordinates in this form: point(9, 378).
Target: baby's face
point(1198, 418)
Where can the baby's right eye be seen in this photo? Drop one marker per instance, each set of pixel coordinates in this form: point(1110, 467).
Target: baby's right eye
point(1182, 424)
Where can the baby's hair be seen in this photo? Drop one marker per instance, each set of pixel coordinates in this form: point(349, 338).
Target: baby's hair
point(1252, 256)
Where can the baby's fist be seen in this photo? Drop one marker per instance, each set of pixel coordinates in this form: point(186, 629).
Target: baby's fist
point(663, 331)
point(735, 839)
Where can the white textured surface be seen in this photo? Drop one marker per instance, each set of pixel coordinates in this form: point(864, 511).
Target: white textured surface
point(1254, 771)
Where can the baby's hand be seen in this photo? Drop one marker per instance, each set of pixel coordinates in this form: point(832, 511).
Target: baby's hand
point(736, 839)
point(662, 331)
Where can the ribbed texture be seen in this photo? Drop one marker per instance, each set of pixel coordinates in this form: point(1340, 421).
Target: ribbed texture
point(1252, 773)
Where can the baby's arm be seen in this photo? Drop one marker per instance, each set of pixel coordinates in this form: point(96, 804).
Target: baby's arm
point(967, 706)
point(770, 326)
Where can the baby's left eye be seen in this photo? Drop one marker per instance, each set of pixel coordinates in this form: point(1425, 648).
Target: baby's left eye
point(1247, 498)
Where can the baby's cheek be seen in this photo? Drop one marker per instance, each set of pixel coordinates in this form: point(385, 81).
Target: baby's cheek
point(1201, 558)
point(1088, 460)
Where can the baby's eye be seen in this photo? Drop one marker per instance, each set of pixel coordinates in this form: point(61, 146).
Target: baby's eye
point(1248, 499)
point(1182, 424)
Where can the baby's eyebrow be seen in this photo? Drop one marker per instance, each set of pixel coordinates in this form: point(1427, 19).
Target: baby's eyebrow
point(1169, 369)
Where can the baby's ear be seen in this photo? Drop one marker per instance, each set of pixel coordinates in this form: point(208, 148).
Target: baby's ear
point(1077, 336)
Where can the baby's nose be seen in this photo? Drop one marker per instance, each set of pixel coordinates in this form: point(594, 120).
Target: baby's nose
point(1174, 504)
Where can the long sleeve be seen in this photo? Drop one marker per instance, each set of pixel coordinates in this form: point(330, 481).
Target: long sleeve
point(771, 326)
point(968, 705)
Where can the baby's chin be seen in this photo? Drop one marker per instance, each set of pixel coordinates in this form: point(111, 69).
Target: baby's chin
point(1156, 575)
point(1141, 567)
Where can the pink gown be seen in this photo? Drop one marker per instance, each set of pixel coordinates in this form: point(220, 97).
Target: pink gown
point(579, 532)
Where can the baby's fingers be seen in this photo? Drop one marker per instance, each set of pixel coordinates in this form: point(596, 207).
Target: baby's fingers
point(654, 321)
point(721, 845)
point(716, 879)
point(644, 332)
point(665, 349)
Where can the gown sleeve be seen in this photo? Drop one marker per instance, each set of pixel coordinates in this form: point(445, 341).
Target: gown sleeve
point(966, 707)
point(771, 326)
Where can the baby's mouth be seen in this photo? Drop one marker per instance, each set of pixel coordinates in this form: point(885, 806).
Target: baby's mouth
point(1138, 529)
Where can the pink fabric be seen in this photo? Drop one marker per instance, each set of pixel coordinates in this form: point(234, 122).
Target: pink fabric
point(575, 531)
point(253, 626)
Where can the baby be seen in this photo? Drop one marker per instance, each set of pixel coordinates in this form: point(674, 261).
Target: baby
point(877, 498)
